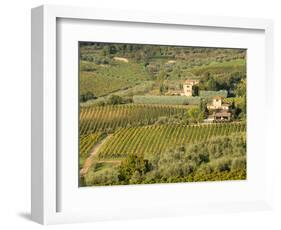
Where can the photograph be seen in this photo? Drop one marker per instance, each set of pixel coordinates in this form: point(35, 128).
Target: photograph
point(154, 113)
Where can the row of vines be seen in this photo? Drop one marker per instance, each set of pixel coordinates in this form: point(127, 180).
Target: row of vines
point(109, 118)
point(86, 145)
point(158, 138)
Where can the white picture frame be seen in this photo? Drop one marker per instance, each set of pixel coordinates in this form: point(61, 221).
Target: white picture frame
point(47, 182)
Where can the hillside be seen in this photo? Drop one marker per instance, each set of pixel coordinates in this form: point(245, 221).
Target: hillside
point(161, 114)
point(103, 70)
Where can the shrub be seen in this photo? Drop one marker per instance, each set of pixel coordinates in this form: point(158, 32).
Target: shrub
point(87, 96)
point(102, 177)
point(238, 164)
point(130, 165)
point(114, 100)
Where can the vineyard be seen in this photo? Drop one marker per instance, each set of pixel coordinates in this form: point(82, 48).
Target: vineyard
point(86, 144)
point(156, 139)
point(109, 118)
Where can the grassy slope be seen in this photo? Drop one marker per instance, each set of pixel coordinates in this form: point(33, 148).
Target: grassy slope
point(238, 65)
point(111, 78)
point(105, 79)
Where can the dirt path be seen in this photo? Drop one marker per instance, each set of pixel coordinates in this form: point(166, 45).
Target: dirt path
point(88, 161)
point(121, 59)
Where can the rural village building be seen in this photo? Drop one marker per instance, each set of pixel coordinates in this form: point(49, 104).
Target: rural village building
point(220, 111)
point(188, 87)
point(222, 116)
point(217, 103)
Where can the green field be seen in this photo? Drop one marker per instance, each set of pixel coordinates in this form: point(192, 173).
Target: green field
point(166, 100)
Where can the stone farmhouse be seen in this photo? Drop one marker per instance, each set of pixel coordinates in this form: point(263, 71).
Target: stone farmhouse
point(188, 87)
point(219, 111)
point(217, 103)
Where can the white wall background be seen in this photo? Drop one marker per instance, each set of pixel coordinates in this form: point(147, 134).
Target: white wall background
point(15, 112)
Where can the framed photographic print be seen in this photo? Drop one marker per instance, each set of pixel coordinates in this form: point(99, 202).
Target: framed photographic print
point(140, 114)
